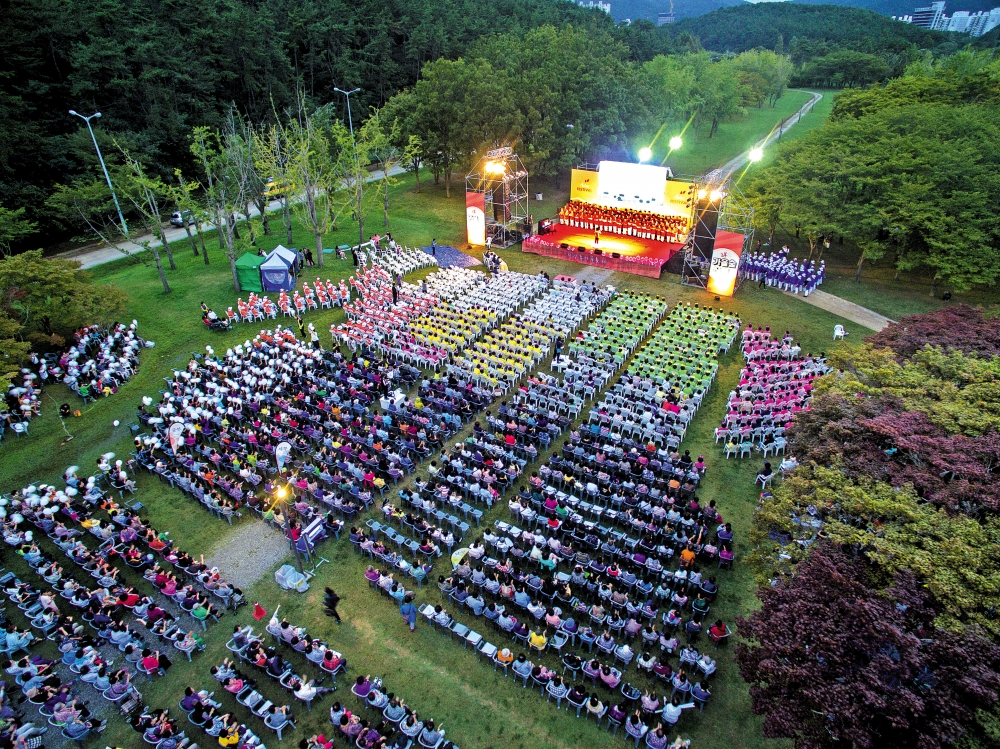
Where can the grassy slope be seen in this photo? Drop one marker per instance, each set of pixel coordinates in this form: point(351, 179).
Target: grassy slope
point(433, 674)
point(701, 153)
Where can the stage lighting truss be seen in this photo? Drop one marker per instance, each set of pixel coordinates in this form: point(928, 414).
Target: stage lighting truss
point(503, 180)
point(716, 191)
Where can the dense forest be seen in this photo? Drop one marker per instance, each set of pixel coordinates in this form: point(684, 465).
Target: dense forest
point(807, 31)
point(156, 69)
point(904, 7)
point(650, 9)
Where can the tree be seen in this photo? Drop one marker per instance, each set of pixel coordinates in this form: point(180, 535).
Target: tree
point(843, 69)
point(222, 157)
point(913, 181)
point(250, 165)
point(831, 661)
point(271, 152)
point(412, 158)
point(961, 327)
point(12, 352)
point(954, 556)
point(957, 393)
point(183, 196)
point(769, 72)
point(13, 228)
point(320, 162)
point(380, 137)
point(49, 298)
point(766, 201)
point(145, 194)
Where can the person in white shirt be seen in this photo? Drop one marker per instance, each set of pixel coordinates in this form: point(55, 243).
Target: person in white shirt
point(672, 710)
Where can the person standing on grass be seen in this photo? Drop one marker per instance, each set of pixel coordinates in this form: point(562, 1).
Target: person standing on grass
point(409, 612)
point(330, 602)
point(302, 327)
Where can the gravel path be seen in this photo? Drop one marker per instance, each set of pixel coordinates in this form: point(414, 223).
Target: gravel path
point(249, 553)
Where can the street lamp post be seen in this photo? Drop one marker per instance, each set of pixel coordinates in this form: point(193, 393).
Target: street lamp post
point(280, 494)
point(357, 166)
point(103, 167)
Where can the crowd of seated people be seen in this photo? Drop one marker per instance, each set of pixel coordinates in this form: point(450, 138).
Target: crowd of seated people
point(545, 612)
point(118, 613)
point(625, 221)
point(666, 381)
point(377, 321)
point(775, 384)
point(322, 405)
point(39, 678)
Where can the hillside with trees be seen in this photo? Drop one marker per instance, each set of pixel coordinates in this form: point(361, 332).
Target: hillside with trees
point(903, 7)
point(808, 31)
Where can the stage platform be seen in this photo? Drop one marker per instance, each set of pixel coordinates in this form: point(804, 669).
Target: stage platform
point(642, 257)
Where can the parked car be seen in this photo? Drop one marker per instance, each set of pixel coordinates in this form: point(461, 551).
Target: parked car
point(180, 218)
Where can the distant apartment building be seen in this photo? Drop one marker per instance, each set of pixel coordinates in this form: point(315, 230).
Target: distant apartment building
point(606, 7)
point(933, 17)
point(662, 19)
point(929, 17)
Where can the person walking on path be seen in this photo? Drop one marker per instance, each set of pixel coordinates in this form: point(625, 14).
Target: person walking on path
point(330, 601)
point(409, 612)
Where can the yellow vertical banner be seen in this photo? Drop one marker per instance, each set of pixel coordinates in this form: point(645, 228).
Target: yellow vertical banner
point(678, 198)
point(583, 185)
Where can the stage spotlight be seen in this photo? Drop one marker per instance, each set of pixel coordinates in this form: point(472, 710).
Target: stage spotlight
point(676, 143)
point(281, 493)
point(495, 167)
point(645, 154)
point(716, 195)
point(702, 194)
point(756, 154)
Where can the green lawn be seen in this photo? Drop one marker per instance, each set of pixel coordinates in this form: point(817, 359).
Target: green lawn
point(700, 153)
point(479, 708)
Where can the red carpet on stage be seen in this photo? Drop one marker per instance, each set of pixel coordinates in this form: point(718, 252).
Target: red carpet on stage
point(643, 257)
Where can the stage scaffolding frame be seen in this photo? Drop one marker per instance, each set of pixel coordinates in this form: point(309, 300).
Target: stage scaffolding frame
point(735, 215)
point(502, 178)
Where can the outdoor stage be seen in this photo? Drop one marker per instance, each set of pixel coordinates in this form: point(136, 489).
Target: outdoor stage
point(643, 257)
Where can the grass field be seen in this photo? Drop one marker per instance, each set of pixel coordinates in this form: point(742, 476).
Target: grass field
point(478, 707)
point(700, 153)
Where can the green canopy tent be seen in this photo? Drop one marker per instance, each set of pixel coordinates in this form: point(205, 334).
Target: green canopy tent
point(248, 272)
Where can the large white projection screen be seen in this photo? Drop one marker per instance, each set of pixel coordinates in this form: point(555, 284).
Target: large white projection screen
point(637, 186)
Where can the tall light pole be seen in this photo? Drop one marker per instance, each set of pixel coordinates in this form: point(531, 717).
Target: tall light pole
point(101, 159)
point(357, 166)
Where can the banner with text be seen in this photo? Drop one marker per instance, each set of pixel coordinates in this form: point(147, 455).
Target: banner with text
point(678, 198)
point(725, 263)
point(475, 217)
point(583, 185)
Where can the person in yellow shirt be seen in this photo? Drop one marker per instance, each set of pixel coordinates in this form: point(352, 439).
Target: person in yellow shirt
point(537, 639)
point(687, 556)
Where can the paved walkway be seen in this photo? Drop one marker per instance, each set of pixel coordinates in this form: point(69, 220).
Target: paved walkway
point(98, 255)
point(848, 310)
